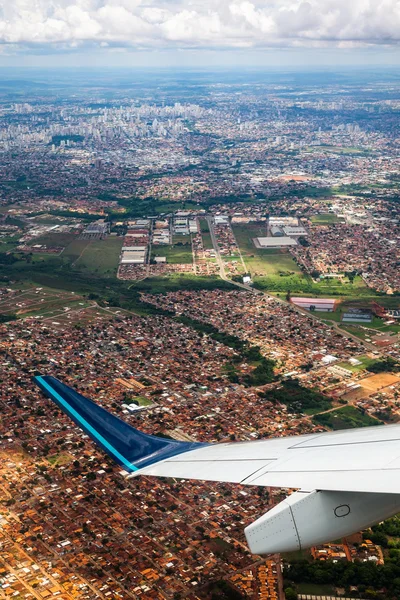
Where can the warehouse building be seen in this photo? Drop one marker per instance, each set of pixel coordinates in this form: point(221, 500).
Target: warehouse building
point(315, 304)
point(295, 231)
point(274, 242)
point(134, 255)
point(357, 315)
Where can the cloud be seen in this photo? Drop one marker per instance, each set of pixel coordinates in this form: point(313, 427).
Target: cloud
point(199, 23)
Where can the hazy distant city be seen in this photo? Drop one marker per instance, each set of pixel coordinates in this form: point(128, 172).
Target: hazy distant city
point(213, 256)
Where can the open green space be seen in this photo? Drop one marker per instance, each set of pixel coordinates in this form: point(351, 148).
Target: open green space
point(59, 459)
point(73, 251)
point(178, 253)
point(59, 273)
point(205, 234)
point(139, 401)
point(326, 219)
point(101, 256)
point(365, 363)
point(338, 149)
point(360, 333)
point(305, 286)
point(347, 417)
point(54, 239)
point(55, 307)
point(264, 262)
point(7, 245)
point(327, 316)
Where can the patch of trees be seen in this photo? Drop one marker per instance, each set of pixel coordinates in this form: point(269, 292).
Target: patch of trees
point(222, 590)
point(57, 139)
point(373, 581)
point(7, 318)
point(297, 398)
point(384, 366)
point(390, 527)
point(7, 259)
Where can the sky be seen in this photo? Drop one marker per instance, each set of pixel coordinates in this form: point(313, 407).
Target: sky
point(228, 33)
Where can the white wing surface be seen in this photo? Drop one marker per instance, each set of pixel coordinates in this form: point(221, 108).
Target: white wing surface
point(358, 460)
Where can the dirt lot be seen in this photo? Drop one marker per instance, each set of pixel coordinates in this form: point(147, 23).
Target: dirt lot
point(377, 382)
point(371, 385)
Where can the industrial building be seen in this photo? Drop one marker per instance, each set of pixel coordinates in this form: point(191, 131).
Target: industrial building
point(283, 221)
point(96, 230)
point(274, 242)
point(315, 304)
point(295, 231)
point(276, 231)
point(357, 315)
point(133, 255)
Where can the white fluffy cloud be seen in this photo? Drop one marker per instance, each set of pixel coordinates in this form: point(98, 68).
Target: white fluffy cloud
point(199, 23)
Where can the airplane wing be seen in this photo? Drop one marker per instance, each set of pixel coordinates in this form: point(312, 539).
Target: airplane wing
point(344, 468)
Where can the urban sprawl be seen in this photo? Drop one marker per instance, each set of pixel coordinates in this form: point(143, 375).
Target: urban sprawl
point(211, 262)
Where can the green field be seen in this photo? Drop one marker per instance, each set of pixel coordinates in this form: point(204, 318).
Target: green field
point(338, 149)
point(345, 418)
point(73, 251)
point(259, 262)
point(101, 256)
point(175, 254)
point(326, 219)
point(304, 286)
point(365, 363)
point(205, 234)
point(139, 401)
point(54, 239)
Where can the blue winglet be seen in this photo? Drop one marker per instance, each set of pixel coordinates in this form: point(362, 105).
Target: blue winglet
point(130, 448)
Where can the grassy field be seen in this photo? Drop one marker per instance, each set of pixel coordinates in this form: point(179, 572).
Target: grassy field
point(337, 149)
point(55, 239)
point(101, 256)
point(345, 418)
point(73, 251)
point(259, 262)
point(302, 286)
point(175, 254)
point(364, 360)
point(326, 219)
point(205, 234)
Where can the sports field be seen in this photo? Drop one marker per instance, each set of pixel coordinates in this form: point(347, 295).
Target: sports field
point(326, 219)
point(365, 362)
point(378, 382)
